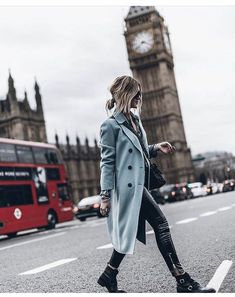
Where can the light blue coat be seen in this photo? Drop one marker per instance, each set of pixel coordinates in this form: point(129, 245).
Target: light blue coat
point(123, 172)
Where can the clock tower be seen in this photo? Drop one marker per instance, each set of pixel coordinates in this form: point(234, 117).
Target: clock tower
point(151, 61)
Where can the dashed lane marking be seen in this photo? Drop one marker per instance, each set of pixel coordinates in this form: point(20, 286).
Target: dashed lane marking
point(106, 246)
point(31, 241)
point(220, 275)
point(186, 221)
point(209, 213)
point(152, 231)
point(224, 208)
point(48, 266)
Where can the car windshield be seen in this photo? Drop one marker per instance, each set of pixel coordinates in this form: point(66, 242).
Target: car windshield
point(89, 200)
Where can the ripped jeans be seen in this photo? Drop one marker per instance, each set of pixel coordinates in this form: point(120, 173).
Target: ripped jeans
point(155, 217)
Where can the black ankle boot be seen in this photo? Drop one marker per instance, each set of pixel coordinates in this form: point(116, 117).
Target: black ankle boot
point(108, 280)
point(185, 284)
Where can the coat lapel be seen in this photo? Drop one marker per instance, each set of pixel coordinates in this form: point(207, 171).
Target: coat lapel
point(120, 118)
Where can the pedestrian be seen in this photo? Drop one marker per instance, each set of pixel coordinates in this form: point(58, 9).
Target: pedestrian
point(125, 197)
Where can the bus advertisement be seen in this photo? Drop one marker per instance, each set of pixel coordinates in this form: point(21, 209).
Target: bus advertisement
point(33, 187)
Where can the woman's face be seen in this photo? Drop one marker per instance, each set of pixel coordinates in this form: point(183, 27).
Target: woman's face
point(136, 99)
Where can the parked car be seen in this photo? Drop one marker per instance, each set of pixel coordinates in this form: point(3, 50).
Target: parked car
point(88, 207)
point(165, 191)
point(197, 189)
point(213, 188)
point(180, 192)
point(158, 197)
point(228, 185)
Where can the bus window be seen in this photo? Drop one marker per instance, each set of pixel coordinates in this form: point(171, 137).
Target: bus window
point(63, 192)
point(53, 174)
point(53, 157)
point(40, 155)
point(24, 154)
point(7, 153)
point(15, 195)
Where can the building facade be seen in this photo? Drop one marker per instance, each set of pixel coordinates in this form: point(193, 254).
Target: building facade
point(83, 165)
point(18, 120)
point(151, 61)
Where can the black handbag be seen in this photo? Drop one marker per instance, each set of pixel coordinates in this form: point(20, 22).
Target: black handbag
point(156, 179)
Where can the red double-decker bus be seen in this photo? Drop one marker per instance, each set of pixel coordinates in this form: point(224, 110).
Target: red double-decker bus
point(33, 187)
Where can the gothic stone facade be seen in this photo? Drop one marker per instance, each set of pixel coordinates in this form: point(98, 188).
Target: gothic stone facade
point(151, 61)
point(18, 120)
point(83, 165)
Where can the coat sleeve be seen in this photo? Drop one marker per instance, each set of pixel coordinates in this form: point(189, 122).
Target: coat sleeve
point(152, 151)
point(107, 144)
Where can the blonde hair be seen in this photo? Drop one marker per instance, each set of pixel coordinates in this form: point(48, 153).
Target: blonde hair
point(123, 89)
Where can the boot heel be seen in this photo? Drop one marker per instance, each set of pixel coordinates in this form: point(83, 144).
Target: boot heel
point(101, 282)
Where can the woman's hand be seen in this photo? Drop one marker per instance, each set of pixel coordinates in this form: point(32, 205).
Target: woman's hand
point(105, 206)
point(165, 147)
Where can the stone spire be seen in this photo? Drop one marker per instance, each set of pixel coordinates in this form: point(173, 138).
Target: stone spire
point(38, 97)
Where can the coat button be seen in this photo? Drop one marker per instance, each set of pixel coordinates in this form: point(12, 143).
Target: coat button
point(130, 150)
point(129, 185)
point(129, 167)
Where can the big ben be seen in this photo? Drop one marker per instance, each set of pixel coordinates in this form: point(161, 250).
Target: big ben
point(151, 62)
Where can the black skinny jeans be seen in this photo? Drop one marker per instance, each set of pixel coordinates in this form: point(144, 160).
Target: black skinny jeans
point(155, 217)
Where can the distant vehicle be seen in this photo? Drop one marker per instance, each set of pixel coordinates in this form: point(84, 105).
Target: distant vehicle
point(197, 189)
point(158, 196)
point(213, 188)
point(33, 186)
point(228, 185)
point(165, 191)
point(88, 207)
point(180, 192)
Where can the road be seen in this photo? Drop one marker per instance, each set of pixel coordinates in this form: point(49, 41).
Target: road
point(71, 257)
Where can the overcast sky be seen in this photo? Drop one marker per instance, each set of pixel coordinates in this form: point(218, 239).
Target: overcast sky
point(76, 52)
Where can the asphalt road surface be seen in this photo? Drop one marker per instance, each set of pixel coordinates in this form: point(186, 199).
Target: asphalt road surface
point(71, 257)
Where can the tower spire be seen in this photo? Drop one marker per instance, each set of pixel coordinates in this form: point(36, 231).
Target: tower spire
point(38, 97)
point(11, 87)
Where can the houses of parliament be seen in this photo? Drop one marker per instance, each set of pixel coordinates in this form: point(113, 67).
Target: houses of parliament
point(151, 62)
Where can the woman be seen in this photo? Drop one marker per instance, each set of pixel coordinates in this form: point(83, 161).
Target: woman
point(125, 198)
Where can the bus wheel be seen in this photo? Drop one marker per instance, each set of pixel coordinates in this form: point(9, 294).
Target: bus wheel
point(12, 234)
point(51, 220)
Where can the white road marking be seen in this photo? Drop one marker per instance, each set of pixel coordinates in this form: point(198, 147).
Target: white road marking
point(48, 266)
point(152, 231)
point(233, 204)
point(107, 246)
point(186, 221)
point(209, 213)
point(224, 208)
point(220, 275)
point(27, 231)
point(30, 241)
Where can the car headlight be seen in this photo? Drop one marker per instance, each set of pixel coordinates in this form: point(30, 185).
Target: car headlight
point(96, 205)
point(75, 209)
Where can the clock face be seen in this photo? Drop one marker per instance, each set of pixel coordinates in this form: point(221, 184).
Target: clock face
point(142, 42)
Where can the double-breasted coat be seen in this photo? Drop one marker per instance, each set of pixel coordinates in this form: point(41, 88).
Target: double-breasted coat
point(123, 172)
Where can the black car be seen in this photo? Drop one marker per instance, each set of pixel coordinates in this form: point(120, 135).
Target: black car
point(180, 192)
point(88, 207)
point(228, 185)
point(165, 191)
point(158, 197)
